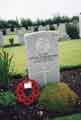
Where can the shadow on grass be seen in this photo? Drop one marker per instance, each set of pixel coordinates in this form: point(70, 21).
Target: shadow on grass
point(14, 45)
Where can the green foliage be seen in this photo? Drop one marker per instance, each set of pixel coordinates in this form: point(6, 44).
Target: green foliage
point(5, 67)
point(59, 97)
point(72, 30)
point(51, 27)
point(75, 18)
point(8, 24)
point(11, 41)
point(26, 22)
point(12, 29)
point(7, 98)
point(49, 21)
point(13, 24)
point(3, 24)
point(72, 117)
point(61, 19)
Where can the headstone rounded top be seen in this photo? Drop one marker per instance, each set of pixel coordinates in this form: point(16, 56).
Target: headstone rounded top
point(40, 32)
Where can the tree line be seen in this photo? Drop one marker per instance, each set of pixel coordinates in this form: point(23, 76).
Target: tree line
point(28, 22)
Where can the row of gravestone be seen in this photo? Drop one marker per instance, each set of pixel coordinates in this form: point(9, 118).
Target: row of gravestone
point(61, 30)
point(19, 36)
point(43, 55)
point(33, 28)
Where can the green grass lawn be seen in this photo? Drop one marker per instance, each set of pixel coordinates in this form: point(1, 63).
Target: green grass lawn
point(69, 54)
point(19, 58)
point(73, 117)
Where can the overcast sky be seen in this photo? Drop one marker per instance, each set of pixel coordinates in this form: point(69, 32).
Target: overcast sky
point(10, 9)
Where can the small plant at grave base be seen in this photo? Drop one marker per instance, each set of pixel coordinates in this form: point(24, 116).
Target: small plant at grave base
point(58, 97)
point(6, 67)
point(7, 98)
point(12, 29)
point(11, 41)
point(52, 27)
point(4, 32)
point(35, 29)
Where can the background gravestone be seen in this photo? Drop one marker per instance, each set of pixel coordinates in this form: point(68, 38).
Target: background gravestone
point(55, 26)
point(42, 52)
point(20, 36)
point(62, 28)
point(80, 24)
point(42, 28)
point(23, 29)
point(62, 31)
point(8, 31)
point(1, 39)
point(32, 29)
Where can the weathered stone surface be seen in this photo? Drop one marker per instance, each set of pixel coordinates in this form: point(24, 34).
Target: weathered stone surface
point(42, 53)
point(80, 24)
point(20, 36)
point(1, 39)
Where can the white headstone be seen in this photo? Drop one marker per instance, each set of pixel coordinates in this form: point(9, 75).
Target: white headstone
point(62, 31)
point(62, 28)
point(41, 28)
point(32, 29)
point(23, 30)
point(80, 24)
point(42, 52)
point(20, 36)
point(1, 39)
point(8, 31)
point(47, 27)
point(55, 26)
